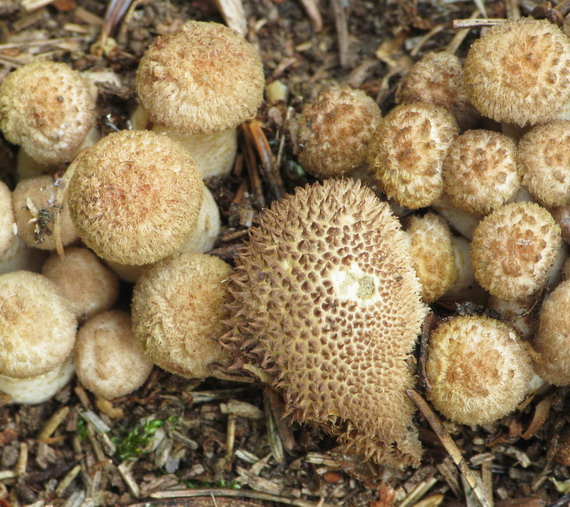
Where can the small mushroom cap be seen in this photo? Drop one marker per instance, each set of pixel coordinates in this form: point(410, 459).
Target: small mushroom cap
point(47, 108)
point(84, 280)
point(544, 162)
point(438, 79)
point(478, 369)
point(408, 150)
point(480, 171)
point(335, 132)
point(513, 249)
point(552, 340)
point(178, 311)
point(37, 327)
point(432, 253)
point(202, 78)
point(519, 71)
point(135, 196)
point(108, 359)
point(324, 300)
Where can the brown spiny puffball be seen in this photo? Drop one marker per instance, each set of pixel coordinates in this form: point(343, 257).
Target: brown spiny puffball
point(335, 132)
point(552, 340)
point(108, 359)
point(408, 150)
point(438, 79)
point(478, 369)
point(325, 307)
point(480, 171)
point(178, 313)
point(544, 162)
point(47, 109)
point(519, 72)
point(514, 248)
point(135, 196)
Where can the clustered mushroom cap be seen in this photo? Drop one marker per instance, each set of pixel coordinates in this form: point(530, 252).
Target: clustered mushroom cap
point(37, 327)
point(135, 196)
point(335, 132)
point(108, 359)
point(480, 171)
point(408, 150)
point(324, 300)
point(438, 79)
point(47, 108)
point(202, 78)
point(177, 311)
point(513, 249)
point(478, 369)
point(519, 71)
point(544, 162)
point(552, 339)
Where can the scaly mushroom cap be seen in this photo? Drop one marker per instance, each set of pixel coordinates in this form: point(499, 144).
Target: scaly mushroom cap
point(47, 108)
point(513, 248)
point(135, 196)
point(335, 132)
point(519, 72)
point(202, 78)
point(478, 369)
point(553, 338)
point(37, 327)
point(544, 162)
point(408, 150)
point(480, 171)
point(325, 305)
point(438, 79)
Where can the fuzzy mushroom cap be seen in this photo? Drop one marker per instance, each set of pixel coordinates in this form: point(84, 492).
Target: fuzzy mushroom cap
point(553, 338)
point(47, 108)
point(202, 78)
point(544, 162)
point(135, 196)
point(335, 132)
point(513, 249)
point(480, 171)
point(325, 303)
point(433, 255)
point(37, 327)
point(108, 359)
point(479, 370)
point(519, 71)
point(408, 150)
point(178, 312)
point(438, 79)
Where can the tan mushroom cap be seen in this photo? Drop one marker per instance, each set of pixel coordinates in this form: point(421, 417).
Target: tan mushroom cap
point(47, 108)
point(478, 368)
point(324, 302)
point(109, 361)
point(552, 340)
point(513, 249)
point(519, 71)
point(480, 171)
point(135, 196)
point(37, 327)
point(335, 132)
point(35, 213)
point(438, 79)
point(408, 150)
point(202, 78)
point(544, 162)
point(178, 312)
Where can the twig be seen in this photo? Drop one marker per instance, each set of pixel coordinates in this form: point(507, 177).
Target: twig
point(251, 165)
point(312, 11)
point(459, 37)
point(449, 445)
point(267, 159)
point(234, 14)
point(341, 31)
point(418, 492)
point(53, 423)
point(462, 24)
point(434, 31)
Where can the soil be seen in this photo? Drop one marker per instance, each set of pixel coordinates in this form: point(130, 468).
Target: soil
point(183, 442)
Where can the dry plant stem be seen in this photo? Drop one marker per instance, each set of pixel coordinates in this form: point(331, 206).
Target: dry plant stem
point(449, 445)
point(115, 11)
point(417, 493)
point(312, 11)
point(459, 37)
point(252, 169)
point(341, 25)
point(234, 14)
point(38, 43)
point(462, 24)
point(53, 423)
point(432, 33)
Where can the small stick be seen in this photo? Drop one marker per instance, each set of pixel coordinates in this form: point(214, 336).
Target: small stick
point(463, 24)
point(459, 37)
point(341, 31)
point(314, 15)
point(53, 423)
point(251, 166)
point(449, 445)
